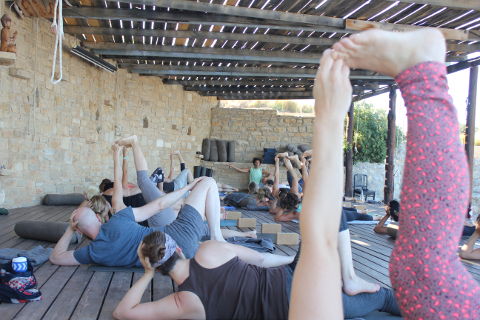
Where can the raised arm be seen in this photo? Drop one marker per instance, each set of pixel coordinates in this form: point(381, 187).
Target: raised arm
point(170, 173)
point(276, 177)
point(380, 227)
point(124, 169)
point(316, 291)
point(117, 197)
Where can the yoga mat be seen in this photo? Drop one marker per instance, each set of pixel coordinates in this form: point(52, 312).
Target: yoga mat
point(213, 150)
point(206, 149)
point(229, 208)
point(204, 172)
point(228, 223)
point(222, 150)
point(197, 171)
point(231, 151)
point(362, 222)
point(209, 172)
point(99, 268)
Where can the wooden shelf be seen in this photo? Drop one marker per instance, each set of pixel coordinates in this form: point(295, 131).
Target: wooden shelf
point(7, 58)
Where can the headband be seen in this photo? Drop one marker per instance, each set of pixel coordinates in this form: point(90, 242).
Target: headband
point(170, 247)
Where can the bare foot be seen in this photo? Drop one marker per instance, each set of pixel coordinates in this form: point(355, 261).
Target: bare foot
point(294, 159)
point(127, 142)
point(389, 52)
point(282, 155)
point(358, 285)
point(251, 234)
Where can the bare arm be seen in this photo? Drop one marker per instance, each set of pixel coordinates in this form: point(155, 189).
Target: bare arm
point(316, 291)
point(60, 254)
point(238, 169)
point(170, 173)
point(276, 177)
point(467, 251)
point(175, 306)
point(117, 197)
point(124, 169)
point(380, 227)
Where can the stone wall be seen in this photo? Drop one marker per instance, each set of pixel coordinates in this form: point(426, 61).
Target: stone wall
point(255, 129)
point(56, 138)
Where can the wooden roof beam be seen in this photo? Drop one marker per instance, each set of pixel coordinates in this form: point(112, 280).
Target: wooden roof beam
point(233, 81)
point(455, 4)
point(140, 50)
point(150, 69)
point(202, 35)
point(243, 12)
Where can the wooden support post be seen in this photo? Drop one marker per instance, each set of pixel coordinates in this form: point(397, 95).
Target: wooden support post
point(349, 155)
point(391, 141)
point(470, 125)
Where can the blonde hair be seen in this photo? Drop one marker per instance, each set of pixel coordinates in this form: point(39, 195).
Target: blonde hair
point(100, 206)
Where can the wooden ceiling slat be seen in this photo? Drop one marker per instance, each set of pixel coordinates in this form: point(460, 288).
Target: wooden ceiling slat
point(457, 4)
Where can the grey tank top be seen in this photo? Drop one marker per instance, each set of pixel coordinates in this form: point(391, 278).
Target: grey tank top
point(238, 290)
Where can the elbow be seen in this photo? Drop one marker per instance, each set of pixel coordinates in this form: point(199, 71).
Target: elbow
point(118, 314)
point(53, 259)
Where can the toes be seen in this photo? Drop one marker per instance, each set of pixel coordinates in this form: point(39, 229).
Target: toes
point(348, 44)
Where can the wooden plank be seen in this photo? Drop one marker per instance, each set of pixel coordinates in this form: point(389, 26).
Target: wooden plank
point(162, 286)
point(50, 291)
point(90, 303)
point(391, 143)
point(360, 25)
point(244, 12)
point(348, 190)
point(201, 35)
point(457, 4)
point(65, 302)
point(118, 288)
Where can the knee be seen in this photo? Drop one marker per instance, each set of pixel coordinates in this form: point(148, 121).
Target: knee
point(209, 182)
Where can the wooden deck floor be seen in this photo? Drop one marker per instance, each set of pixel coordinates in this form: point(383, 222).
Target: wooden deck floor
point(77, 293)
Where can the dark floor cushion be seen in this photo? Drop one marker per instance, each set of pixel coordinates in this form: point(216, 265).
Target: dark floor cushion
point(50, 231)
point(68, 199)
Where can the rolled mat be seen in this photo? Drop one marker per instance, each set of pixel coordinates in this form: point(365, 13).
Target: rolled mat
point(204, 172)
point(44, 230)
point(209, 172)
point(213, 150)
point(231, 151)
point(67, 199)
point(206, 149)
point(197, 172)
point(222, 150)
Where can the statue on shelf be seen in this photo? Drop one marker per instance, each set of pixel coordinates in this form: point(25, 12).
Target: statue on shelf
point(8, 37)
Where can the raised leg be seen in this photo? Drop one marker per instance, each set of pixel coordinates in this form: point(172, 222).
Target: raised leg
point(429, 280)
point(204, 198)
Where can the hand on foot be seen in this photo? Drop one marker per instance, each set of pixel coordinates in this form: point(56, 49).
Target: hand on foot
point(390, 52)
point(332, 90)
point(127, 142)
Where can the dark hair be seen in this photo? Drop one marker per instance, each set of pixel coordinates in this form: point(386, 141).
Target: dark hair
point(255, 159)
point(264, 193)
point(394, 206)
point(105, 185)
point(289, 201)
point(154, 249)
point(252, 187)
point(269, 182)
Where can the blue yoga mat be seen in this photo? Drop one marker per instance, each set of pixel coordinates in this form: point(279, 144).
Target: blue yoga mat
point(229, 208)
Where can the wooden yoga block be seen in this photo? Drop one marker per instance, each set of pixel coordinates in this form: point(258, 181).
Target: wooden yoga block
point(233, 215)
point(347, 204)
point(247, 223)
point(360, 207)
point(289, 239)
point(271, 228)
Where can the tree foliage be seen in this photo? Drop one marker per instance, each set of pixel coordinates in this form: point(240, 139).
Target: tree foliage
point(370, 134)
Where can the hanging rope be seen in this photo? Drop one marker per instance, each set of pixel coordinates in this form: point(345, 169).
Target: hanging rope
point(57, 27)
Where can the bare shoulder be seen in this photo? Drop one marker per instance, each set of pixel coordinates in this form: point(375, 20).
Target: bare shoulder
point(213, 254)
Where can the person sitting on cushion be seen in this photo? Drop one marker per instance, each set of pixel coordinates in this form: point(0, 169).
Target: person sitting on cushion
point(256, 172)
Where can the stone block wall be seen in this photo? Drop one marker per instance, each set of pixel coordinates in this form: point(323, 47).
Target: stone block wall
point(57, 138)
point(255, 129)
